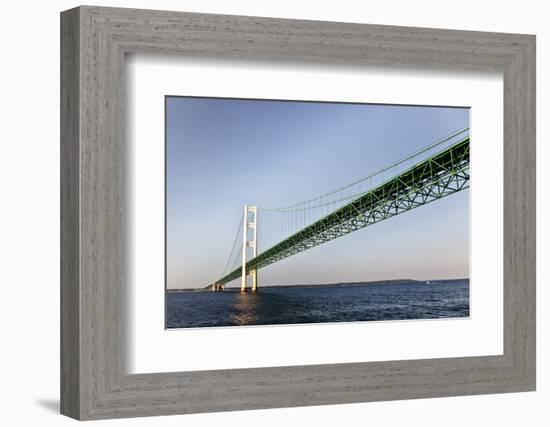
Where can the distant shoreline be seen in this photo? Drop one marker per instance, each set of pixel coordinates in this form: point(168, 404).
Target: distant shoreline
point(326, 285)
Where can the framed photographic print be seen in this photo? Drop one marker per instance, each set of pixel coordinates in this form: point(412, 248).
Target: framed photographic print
point(292, 213)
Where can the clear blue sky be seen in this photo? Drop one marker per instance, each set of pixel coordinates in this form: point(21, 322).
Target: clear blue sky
point(223, 154)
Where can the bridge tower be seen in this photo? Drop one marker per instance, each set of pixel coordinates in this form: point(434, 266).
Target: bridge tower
point(250, 222)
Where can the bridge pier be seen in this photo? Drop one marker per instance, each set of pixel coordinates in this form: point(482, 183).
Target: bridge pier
point(254, 275)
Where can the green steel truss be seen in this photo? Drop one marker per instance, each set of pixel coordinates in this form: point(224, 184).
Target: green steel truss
point(440, 175)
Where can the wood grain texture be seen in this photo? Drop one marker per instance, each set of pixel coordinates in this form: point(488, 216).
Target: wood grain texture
point(70, 292)
point(94, 273)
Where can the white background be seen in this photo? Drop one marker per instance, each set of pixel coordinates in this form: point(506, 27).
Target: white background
point(29, 214)
point(152, 349)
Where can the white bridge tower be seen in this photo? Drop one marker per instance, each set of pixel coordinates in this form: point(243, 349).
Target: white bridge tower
point(250, 222)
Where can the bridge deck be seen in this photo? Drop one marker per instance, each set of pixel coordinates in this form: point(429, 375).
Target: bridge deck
point(438, 176)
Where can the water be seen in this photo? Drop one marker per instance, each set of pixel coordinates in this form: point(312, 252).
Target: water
point(286, 305)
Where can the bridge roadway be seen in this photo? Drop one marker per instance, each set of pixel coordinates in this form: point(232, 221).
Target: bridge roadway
point(440, 175)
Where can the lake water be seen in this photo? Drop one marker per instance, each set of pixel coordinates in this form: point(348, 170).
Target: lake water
point(287, 305)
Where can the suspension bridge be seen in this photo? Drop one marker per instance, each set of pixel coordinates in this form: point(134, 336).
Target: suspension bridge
point(435, 172)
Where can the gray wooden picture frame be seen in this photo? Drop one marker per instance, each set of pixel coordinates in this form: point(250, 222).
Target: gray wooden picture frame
point(94, 381)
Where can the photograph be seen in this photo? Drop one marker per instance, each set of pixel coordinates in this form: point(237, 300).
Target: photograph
point(282, 212)
point(266, 212)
